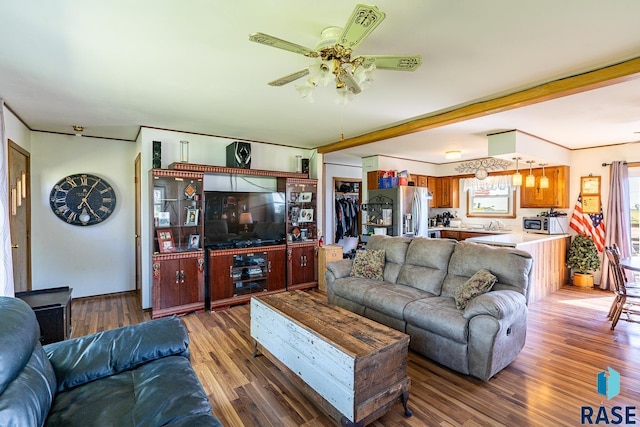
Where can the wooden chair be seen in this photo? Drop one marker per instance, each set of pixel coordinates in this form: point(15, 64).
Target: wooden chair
point(627, 299)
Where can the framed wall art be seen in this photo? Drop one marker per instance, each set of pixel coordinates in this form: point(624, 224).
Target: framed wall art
point(589, 185)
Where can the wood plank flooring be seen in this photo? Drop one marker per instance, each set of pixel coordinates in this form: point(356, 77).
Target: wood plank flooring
point(568, 343)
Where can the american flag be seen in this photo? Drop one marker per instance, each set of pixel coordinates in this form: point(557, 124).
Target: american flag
point(591, 225)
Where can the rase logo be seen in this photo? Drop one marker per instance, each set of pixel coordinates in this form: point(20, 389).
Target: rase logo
point(608, 384)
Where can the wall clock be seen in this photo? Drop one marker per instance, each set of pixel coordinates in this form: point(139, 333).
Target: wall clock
point(82, 199)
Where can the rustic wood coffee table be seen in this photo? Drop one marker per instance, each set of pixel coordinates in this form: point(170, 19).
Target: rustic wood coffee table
point(351, 367)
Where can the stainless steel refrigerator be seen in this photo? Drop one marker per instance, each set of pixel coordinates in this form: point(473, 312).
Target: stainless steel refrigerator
point(410, 209)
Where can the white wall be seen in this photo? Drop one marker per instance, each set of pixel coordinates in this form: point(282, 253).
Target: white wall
point(207, 150)
point(16, 131)
point(96, 259)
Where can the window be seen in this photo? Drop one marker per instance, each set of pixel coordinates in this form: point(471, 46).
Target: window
point(491, 202)
point(634, 206)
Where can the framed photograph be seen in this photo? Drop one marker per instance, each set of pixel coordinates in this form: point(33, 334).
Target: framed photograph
point(192, 217)
point(165, 241)
point(194, 241)
point(158, 200)
point(295, 215)
point(305, 197)
point(591, 204)
point(589, 185)
point(306, 215)
point(164, 219)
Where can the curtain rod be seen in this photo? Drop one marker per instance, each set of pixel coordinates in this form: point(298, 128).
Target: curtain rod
point(609, 164)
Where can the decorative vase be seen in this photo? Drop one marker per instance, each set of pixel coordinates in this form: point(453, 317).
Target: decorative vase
point(583, 280)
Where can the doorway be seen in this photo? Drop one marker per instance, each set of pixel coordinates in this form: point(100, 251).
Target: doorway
point(20, 216)
point(138, 248)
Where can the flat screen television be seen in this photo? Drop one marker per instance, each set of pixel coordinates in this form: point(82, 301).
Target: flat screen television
point(244, 218)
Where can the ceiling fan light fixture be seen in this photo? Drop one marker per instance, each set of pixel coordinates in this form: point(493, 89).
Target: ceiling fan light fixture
point(344, 95)
point(306, 91)
point(452, 154)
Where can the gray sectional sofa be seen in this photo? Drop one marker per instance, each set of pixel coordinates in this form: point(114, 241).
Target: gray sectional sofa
point(417, 297)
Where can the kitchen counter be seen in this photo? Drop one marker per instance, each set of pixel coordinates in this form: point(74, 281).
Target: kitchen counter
point(472, 230)
point(515, 240)
point(550, 272)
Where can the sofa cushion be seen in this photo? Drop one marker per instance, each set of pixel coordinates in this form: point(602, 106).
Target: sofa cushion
point(395, 249)
point(354, 288)
point(369, 264)
point(438, 315)
point(391, 299)
point(158, 393)
point(512, 267)
point(477, 284)
point(426, 264)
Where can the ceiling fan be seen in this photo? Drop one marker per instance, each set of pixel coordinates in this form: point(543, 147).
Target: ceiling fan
point(334, 60)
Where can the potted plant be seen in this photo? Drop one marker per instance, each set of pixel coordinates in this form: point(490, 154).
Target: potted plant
point(583, 258)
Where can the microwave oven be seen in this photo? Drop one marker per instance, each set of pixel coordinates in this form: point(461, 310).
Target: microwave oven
point(546, 224)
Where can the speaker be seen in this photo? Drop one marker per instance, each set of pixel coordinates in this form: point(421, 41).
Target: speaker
point(239, 155)
point(157, 154)
point(305, 165)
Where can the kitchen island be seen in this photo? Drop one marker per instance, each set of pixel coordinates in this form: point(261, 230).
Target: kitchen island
point(549, 255)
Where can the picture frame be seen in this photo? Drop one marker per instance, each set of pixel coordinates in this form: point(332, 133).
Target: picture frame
point(194, 241)
point(165, 241)
point(295, 215)
point(164, 219)
point(158, 200)
point(305, 197)
point(306, 215)
point(591, 204)
point(192, 217)
point(590, 185)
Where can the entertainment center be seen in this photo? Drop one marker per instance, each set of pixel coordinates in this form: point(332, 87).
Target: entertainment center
point(223, 234)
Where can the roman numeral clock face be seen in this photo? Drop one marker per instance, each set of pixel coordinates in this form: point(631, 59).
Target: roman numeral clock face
point(82, 199)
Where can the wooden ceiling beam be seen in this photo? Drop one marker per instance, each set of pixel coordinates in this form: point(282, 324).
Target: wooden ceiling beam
point(606, 76)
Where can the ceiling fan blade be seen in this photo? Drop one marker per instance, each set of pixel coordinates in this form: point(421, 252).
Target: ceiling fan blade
point(393, 62)
point(361, 23)
point(289, 78)
point(268, 40)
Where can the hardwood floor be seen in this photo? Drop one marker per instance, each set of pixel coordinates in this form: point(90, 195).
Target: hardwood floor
point(568, 343)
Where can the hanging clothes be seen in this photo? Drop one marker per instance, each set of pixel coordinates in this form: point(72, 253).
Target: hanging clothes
point(346, 218)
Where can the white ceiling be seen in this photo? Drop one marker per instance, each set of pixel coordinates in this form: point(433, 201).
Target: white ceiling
point(115, 65)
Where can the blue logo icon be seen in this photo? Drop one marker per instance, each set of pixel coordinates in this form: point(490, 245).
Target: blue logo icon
point(609, 385)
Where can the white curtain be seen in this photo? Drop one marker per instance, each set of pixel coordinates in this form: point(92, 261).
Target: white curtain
point(494, 182)
point(6, 272)
point(617, 217)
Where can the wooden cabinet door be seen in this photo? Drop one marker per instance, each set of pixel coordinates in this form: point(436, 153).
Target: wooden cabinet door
point(220, 283)
point(449, 234)
point(432, 187)
point(556, 196)
point(302, 265)
point(192, 280)
point(448, 192)
point(277, 270)
point(167, 283)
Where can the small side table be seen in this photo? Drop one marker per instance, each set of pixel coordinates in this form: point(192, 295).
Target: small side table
point(53, 311)
point(326, 254)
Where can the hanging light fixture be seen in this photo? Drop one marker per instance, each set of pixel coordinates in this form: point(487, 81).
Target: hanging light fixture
point(531, 180)
point(516, 180)
point(544, 181)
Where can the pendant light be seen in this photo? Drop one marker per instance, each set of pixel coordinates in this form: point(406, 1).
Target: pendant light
point(516, 180)
point(544, 181)
point(531, 180)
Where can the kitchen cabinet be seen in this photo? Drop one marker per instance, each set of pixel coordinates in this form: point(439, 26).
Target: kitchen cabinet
point(177, 260)
point(446, 192)
point(461, 234)
point(556, 196)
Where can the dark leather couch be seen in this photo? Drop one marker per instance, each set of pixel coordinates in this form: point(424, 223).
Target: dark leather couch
point(138, 375)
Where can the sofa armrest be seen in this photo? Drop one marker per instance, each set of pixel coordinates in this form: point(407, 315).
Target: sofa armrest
point(499, 304)
point(340, 268)
point(81, 360)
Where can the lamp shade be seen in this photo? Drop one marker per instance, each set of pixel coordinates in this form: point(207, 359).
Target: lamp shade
point(530, 181)
point(246, 218)
point(544, 182)
point(516, 179)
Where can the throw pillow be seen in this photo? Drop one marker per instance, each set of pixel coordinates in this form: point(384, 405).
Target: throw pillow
point(477, 284)
point(368, 263)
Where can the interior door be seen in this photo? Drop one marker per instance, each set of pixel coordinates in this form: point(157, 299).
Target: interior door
point(20, 219)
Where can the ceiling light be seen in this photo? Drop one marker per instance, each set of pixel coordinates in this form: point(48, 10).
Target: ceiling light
point(531, 180)
point(453, 154)
point(516, 179)
point(78, 130)
point(544, 181)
